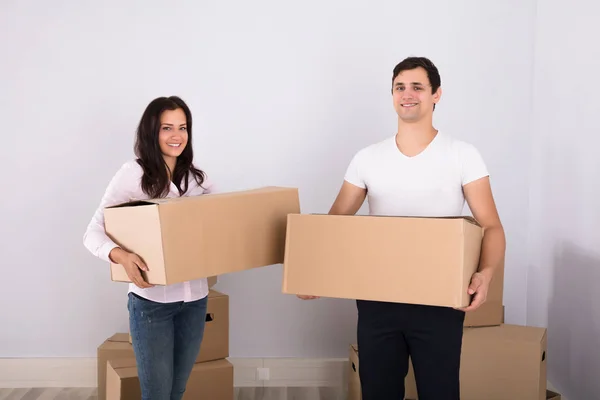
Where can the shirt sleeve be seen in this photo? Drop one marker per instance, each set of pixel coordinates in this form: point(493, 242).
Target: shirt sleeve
point(472, 164)
point(119, 190)
point(353, 172)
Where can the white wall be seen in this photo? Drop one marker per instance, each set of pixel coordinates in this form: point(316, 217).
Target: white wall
point(564, 269)
point(282, 94)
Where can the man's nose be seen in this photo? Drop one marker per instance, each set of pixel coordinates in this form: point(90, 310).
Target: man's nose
point(408, 94)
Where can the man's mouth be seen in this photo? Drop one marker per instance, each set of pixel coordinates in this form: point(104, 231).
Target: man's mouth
point(408, 105)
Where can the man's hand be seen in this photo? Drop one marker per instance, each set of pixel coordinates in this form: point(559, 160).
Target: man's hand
point(303, 297)
point(479, 286)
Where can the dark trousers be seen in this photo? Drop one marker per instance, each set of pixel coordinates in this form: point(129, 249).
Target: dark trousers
point(388, 333)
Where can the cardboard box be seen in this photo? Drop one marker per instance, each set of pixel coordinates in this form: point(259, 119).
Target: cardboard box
point(209, 380)
point(115, 347)
point(502, 362)
point(354, 388)
point(426, 261)
point(187, 238)
point(497, 363)
point(215, 344)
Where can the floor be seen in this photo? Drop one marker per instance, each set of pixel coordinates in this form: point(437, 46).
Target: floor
point(246, 393)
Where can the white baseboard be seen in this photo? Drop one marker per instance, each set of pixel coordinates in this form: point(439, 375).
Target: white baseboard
point(81, 372)
point(47, 372)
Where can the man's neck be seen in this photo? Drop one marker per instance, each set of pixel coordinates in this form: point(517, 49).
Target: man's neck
point(413, 138)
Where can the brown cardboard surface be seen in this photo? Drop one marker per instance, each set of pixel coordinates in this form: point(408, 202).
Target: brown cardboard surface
point(188, 238)
point(411, 260)
point(354, 392)
point(212, 281)
point(504, 362)
point(215, 343)
point(498, 363)
point(117, 346)
point(490, 313)
point(209, 380)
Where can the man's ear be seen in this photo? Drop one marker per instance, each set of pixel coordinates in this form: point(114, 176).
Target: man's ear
point(437, 95)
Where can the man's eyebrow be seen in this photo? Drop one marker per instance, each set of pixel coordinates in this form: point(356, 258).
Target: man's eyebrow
point(412, 83)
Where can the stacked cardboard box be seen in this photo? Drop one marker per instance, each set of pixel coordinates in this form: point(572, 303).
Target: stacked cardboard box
point(419, 261)
point(117, 372)
point(209, 380)
point(498, 363)
point(189, 238)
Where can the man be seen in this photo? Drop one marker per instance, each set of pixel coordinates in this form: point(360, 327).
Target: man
point(420, 171)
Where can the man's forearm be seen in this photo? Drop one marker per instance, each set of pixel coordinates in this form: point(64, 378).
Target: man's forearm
point(493, 250)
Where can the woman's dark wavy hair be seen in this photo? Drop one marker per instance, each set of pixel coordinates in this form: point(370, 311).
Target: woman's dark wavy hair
point(155, 180)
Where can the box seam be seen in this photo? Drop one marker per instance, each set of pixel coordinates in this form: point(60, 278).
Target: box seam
point(463, 289)
point(286, 252)
point(162, 244)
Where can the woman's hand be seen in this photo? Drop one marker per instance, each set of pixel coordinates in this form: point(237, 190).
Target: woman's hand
point(133, 265)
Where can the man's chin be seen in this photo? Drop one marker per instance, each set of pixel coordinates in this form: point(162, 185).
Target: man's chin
point(409, 119)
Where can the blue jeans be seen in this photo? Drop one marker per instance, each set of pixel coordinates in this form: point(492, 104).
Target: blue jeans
point(166, 340)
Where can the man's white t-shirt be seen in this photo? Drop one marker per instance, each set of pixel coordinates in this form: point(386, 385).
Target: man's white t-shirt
point(427, 185)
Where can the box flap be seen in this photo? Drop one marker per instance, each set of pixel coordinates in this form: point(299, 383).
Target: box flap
point(461, 217)
point(510, 333)
point(124, 367)
point(125, 362)
point(118, 341)
point(215, 293)
point(212, 365)
point(119, 337)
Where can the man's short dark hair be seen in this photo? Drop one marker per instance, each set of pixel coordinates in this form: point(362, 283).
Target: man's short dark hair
point(415, 62)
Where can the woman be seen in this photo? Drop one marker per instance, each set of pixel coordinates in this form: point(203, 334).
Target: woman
point(166, 322)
